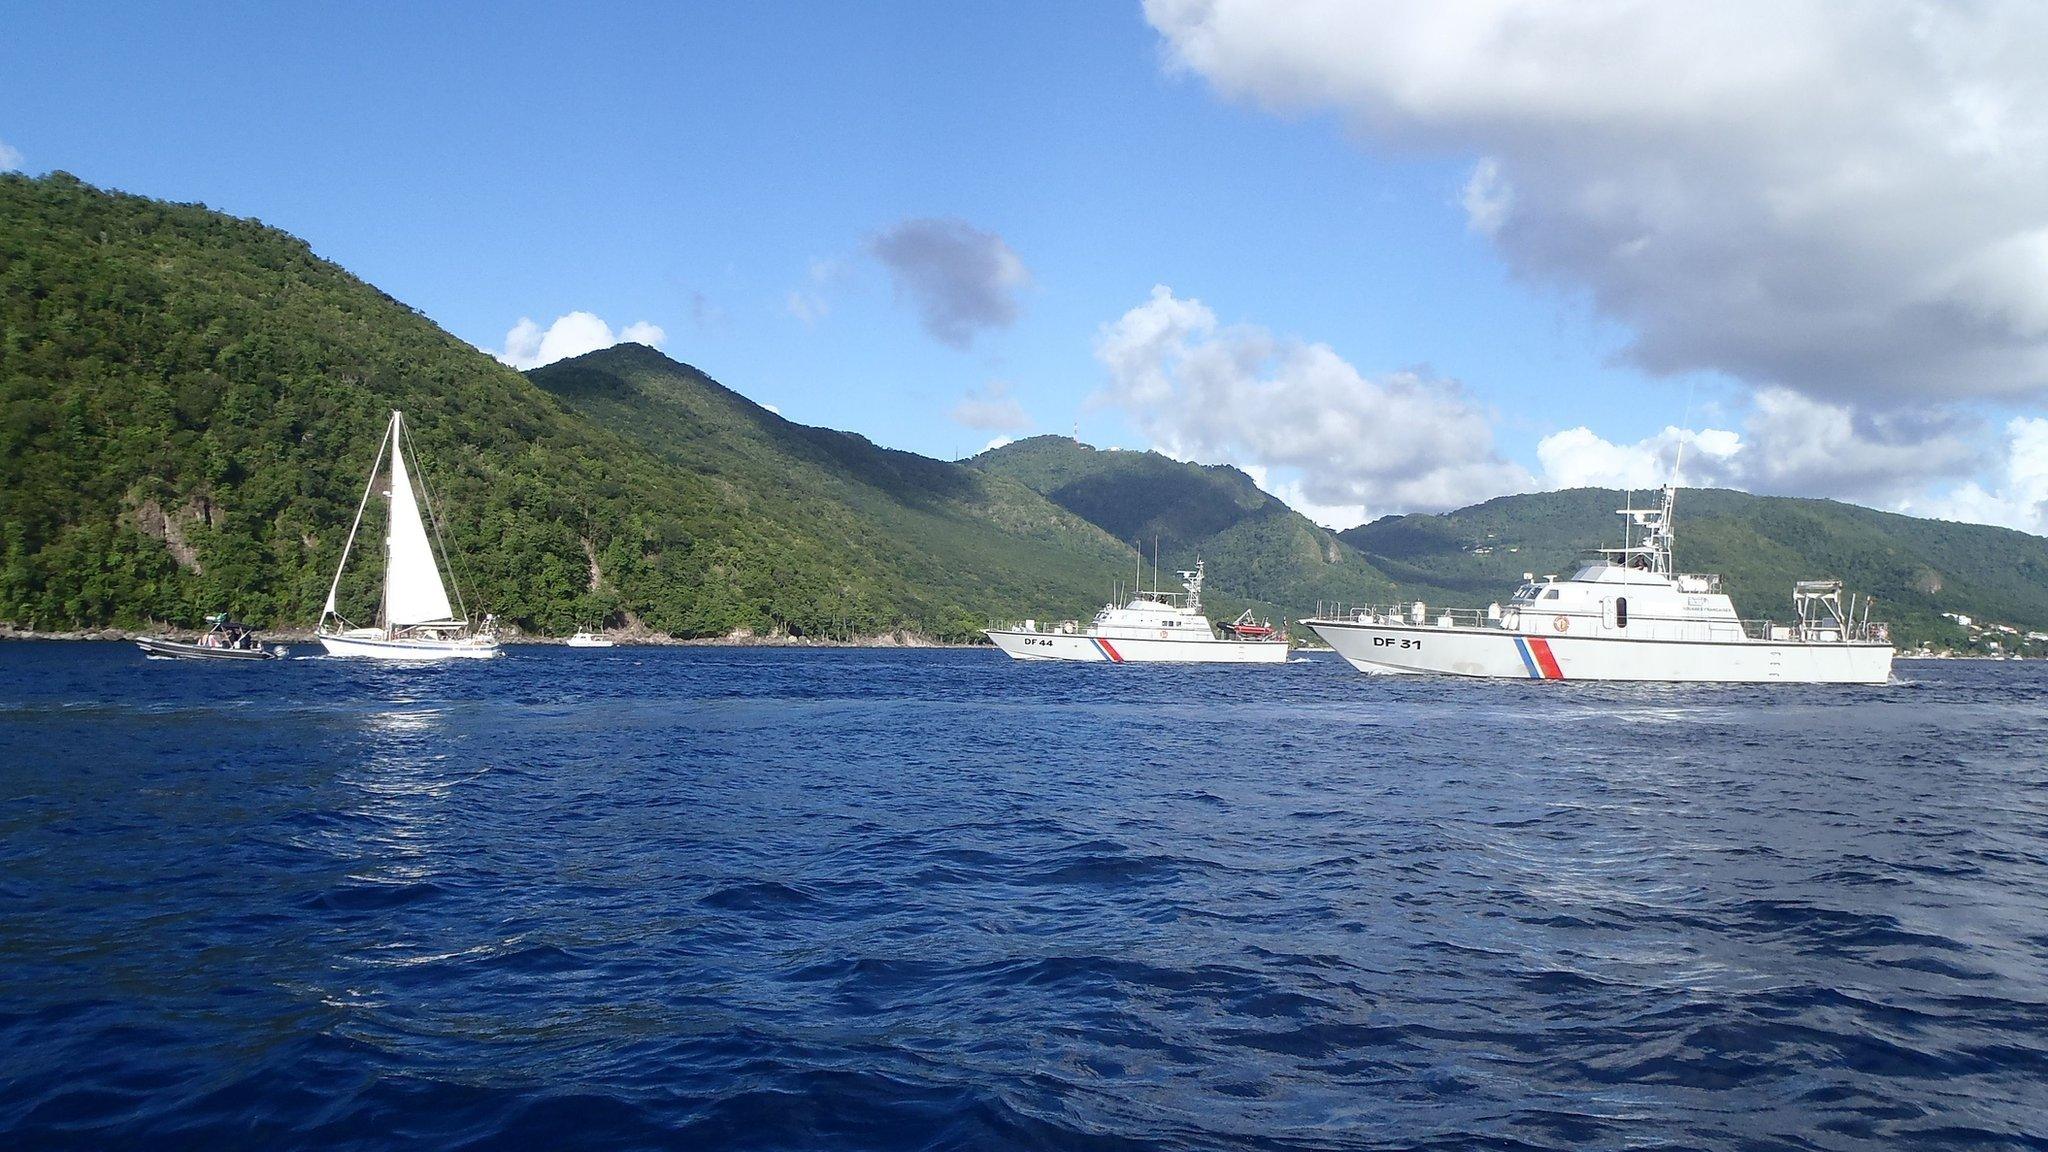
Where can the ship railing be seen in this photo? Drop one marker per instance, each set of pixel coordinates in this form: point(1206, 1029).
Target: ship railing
point(1829, 632)
point(1044, 627)
point(1413, 613)
point(1422, 615)
point(1818, 631)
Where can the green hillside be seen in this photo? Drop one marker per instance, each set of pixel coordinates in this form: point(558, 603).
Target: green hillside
point(189, 403)
point(938, 540)
point(1257, 548)
point(1917, 569)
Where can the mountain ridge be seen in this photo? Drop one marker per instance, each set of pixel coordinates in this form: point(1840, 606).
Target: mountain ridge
point(189, 403)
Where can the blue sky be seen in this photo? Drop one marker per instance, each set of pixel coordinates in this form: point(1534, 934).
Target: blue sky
point(731, 174)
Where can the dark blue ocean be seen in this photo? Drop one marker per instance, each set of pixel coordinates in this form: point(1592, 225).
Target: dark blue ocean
point(706, 898)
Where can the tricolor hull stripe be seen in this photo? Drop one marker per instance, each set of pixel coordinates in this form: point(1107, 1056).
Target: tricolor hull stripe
point(1537, 657)
point(1114, 656)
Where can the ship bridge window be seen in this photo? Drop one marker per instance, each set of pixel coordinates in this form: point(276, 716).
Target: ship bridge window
point(1550, 595)
point(1621, 611)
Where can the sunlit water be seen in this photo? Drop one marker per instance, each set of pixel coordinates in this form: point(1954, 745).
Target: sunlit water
point(771, 899)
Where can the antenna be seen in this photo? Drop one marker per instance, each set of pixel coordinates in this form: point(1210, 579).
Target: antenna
point(1155, 566)
point(1678, 458)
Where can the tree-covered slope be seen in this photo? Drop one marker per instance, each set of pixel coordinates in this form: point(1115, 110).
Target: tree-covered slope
point(944, 541)
point(189, 404)
point(1916, 568)
point(1257, 548)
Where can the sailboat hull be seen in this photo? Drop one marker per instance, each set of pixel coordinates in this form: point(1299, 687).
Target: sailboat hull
point(409, 648)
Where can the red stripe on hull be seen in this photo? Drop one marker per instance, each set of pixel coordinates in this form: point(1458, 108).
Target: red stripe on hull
point(1108, 651)
point(1544, 659)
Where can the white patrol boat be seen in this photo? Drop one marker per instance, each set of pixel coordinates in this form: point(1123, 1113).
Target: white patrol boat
point(1628, 616)
point(1155, 627)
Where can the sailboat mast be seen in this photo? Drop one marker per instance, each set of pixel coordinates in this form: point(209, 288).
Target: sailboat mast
point(390, 498)
point(369, 486)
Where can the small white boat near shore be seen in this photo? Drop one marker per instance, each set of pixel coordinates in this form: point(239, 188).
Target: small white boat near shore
point(585, 638)
point(414, 620)
point(1152, 628)
point(1628, 616)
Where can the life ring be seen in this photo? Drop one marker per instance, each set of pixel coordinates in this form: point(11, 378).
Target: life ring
point(1560, 623)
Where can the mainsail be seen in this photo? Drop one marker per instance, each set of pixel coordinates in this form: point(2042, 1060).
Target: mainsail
point(413, 593)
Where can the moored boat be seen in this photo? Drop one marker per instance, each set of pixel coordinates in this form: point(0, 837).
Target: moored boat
point(1630, 615)
point(225, 639)
point(414, 619)
point(1153, 627)
point(585, 638)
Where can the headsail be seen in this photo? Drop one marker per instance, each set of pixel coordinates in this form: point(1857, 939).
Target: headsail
point(413, 593)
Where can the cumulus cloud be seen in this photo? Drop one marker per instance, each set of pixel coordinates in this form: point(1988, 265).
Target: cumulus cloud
point(961, 280)
point(2020, 499)
point(1320, 431)
point(1846, 200)
point(528, 345)
point(1790, 445)
point(809, 307)
point(10, 158)
point(1487, 197)
point(991, 409)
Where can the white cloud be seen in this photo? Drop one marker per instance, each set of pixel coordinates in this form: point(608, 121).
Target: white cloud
point(1845, 200)
point(1336, 517)
point(2021, 498)
point(991, 409)
point(998, 442)
point(1487, 197)
point(1318, 430)
point(1580, 458)
point(961, 280)
point(773, 408)
point(1790, 445)
point(10, 158)
point(810, 303)
point(809, 307)
point(528, 345)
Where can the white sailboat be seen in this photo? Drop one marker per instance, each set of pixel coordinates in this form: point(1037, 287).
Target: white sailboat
point(415, 620)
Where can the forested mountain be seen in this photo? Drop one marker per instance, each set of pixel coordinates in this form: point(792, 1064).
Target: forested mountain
point(1257, 548)
point(189, 404)
point(932, 540)
point(1916, 568)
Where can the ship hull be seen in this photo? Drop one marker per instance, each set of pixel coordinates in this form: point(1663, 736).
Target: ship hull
point(1502, 654)
point(157, 649)
point(1022, 645)
point(369, 648)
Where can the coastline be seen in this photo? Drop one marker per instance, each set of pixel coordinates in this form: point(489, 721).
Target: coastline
point(623, 638)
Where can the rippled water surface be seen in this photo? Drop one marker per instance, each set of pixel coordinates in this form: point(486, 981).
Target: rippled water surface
point(769, 899)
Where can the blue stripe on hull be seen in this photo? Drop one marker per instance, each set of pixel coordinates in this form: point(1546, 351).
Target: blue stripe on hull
point(1528, 661)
